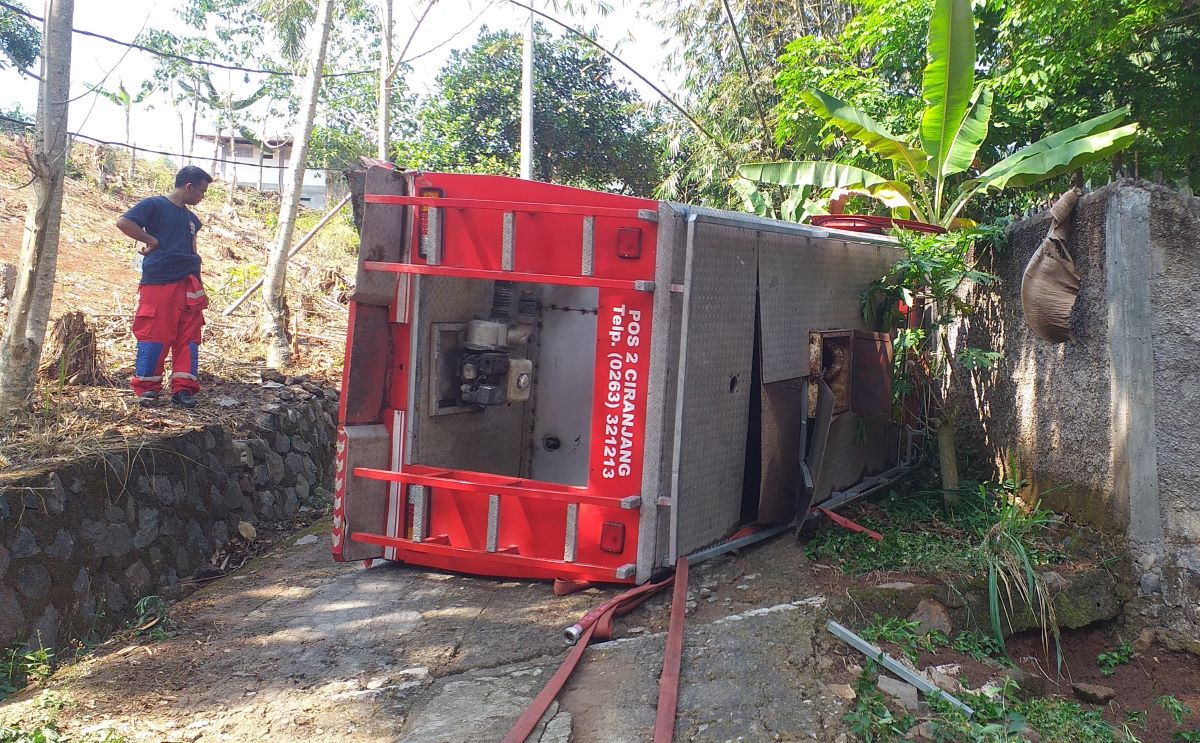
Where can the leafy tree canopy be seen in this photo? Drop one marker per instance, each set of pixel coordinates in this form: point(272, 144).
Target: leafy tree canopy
point(589, 130)
point(1052, 63)
point(20, 41)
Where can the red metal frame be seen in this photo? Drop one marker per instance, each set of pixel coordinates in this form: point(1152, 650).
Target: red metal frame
point(422, 269)
point(549, 226)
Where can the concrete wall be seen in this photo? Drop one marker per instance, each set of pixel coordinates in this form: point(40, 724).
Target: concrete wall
point(1105, 424)
point(82, 542)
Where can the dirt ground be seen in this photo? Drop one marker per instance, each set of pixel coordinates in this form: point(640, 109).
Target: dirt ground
point(295, 646)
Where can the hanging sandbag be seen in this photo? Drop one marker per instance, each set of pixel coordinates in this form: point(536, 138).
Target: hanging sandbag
point(1051, 281)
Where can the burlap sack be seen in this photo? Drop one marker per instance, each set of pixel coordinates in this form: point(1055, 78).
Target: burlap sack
point(1051, 281)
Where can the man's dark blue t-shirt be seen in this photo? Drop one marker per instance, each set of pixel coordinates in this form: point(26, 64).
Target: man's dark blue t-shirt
point(175, 228)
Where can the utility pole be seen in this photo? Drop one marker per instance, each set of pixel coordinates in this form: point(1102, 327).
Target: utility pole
point(385, 79)
point(527, 102)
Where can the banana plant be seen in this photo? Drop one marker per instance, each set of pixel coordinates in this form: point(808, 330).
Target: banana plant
point(952, 129)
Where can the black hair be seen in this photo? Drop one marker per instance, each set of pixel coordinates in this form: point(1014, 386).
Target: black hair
point(191, 174)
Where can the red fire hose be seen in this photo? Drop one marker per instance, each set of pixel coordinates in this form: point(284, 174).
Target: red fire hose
point(597, 624)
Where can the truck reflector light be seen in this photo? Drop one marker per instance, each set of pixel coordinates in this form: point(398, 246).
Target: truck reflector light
point(423, 216)
point(612, 537)
point(629, 242)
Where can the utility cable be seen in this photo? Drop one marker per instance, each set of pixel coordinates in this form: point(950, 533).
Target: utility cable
point(662, 94)
point(193, 157)
point(737, 36)
point(171, 55)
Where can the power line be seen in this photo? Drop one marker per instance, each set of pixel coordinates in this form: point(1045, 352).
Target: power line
point(662, 94)
point(180, 57)
point(193, 156)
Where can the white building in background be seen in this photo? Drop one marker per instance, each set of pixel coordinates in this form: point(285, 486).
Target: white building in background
point(256, 164)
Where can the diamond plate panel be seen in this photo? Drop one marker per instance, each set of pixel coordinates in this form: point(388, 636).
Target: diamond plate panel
point(716, 352)
point(811, 283)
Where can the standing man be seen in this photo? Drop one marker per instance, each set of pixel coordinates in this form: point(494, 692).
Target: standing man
point(171, 299)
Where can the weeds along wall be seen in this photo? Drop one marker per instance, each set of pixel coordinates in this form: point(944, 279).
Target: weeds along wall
point(83, 542)
point(1104, 426)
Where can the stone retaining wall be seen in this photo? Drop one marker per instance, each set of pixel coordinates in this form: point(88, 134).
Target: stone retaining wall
point(82, 542)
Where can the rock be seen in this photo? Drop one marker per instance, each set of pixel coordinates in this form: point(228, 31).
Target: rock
point(931, 615)
point(33, 581)
point(55, 498)
point(1031, 735)
point(1029, 685)
point(25, 545)
point(899, 585)
point(1093, 693)
point(842, 691)
point(139, 578)
point(61, 548)
point(4, 561)
point(307, 539)
point(247, 530)
point(226, 402)
point(921, 732)
point(904, 694)
point(12, 618)
point(45, 630)
point(1054, 581)
point(147, 530)
point(272, 375)
point(943, 681)
point(1145, 639)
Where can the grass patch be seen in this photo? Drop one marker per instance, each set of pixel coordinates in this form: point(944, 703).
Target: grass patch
point(998, 718)
point(1109, 661)
point(923, 535)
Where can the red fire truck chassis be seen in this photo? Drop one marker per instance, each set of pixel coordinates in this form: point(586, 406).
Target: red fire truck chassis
point(548, 382)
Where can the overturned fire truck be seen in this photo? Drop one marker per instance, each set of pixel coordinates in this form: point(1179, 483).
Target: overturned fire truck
point(549, 382)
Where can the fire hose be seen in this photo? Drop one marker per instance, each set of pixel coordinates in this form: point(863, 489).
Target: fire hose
point(598, 624)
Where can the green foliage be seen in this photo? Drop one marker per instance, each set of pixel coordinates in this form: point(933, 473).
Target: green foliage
point(1187, 736)
point(870, 718)
point(1108, 661)
point(905, 635)
point(924, 535)
point(589, 130)
point(21, 665)
point(1175, 708)
point(47, 732)
point(153, 618)
point(1060, 719)
point(1105, 54)
point(953, 127)
point(1009, 553)
point(929, 279)
point(20, 40)
point(979, 646)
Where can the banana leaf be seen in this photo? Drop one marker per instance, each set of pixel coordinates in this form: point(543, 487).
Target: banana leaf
point(862, 127)
point(755, 201)
point(970, 134)
point(819, 173)
point(949, 79)
point(1048, 163)
point(1101, 123)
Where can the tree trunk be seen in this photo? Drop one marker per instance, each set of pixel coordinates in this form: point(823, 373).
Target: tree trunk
point(233, 174)
point(132, 149)
point(385, 79)
point(279, 350)
point(948, 453)
point(20, 350)
point(195, 115)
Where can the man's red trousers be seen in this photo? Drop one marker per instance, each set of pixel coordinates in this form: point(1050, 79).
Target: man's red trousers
point(169, 319)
